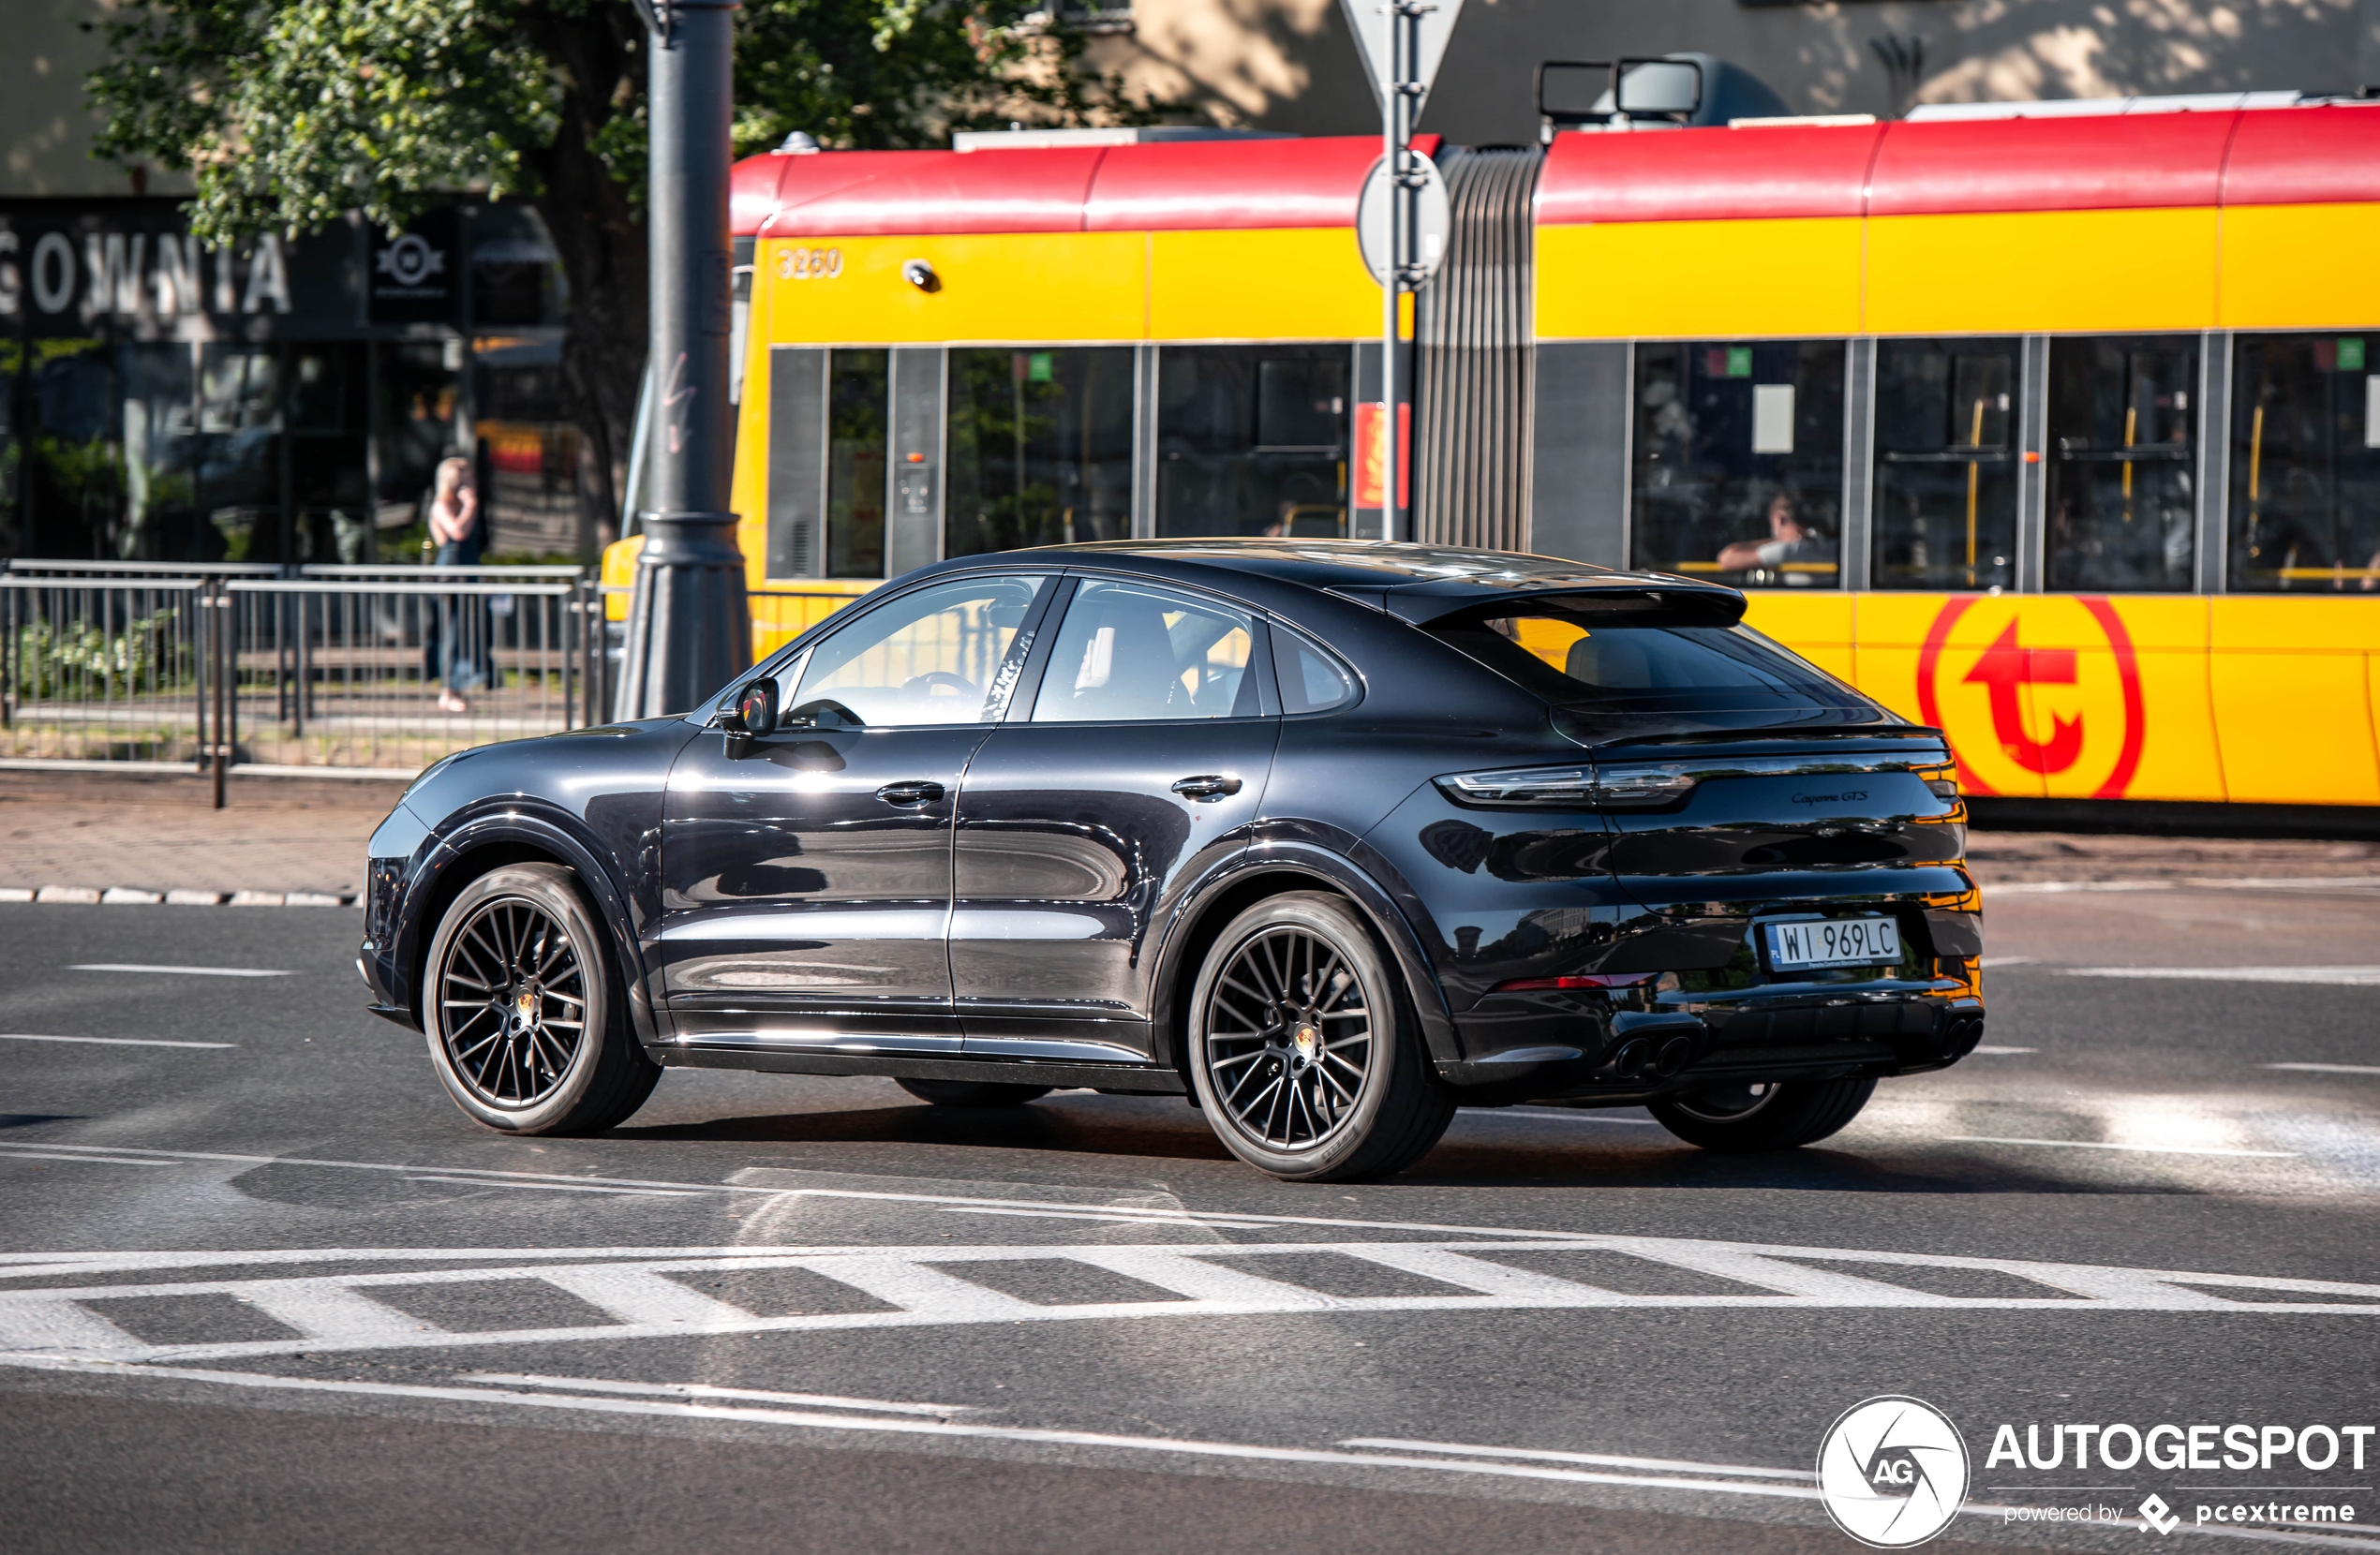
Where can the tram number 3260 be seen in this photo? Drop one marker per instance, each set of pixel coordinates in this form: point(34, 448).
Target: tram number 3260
point(810, 264)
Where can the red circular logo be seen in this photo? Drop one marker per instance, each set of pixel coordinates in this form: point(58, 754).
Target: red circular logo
point(2004, 670)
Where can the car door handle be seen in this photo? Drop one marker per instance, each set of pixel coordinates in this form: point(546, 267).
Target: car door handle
point(916, 792)
point(1213, 785)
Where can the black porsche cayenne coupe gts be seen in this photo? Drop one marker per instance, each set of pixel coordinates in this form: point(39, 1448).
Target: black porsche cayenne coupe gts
point(1330, 838)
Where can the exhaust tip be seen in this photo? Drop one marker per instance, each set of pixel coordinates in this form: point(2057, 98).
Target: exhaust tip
point(1675, 1054)
point(1630, 1060)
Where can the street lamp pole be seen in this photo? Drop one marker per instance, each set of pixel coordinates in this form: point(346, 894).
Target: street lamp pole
point(689, 624)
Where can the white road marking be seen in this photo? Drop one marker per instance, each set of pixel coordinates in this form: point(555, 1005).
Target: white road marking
point(1987, 962)
point(2330, 1067)
point(704, 1390)
point(1566, 1114)
point(193, 972)
point(2192, 882)
point(2100, 1145)
point(114, 1042)
point(22, 1154)
point(927, 1287)
point(1432, 1461)
point(1398, 1443)
point(567, 1187)
point(2342, 977)
point(1118, 1217)
point(2002, 1052)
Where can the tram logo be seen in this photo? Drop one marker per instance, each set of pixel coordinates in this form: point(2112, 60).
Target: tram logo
point(2052, 712)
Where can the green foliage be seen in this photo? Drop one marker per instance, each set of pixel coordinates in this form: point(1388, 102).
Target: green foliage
point(288, 115)
point(77, 660)
point(289, 112)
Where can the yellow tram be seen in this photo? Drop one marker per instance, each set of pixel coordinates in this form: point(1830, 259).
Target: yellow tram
point(2060, 433)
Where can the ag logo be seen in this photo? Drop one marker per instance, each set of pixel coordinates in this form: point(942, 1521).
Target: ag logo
point(1891, 1472)
point(2065, 719)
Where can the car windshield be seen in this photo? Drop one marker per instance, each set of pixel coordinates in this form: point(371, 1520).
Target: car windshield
point(1628, 676)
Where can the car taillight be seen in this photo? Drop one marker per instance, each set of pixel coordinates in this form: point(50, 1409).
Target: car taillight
point(1581, 982)
point(1627, 785)
point(1942, 781)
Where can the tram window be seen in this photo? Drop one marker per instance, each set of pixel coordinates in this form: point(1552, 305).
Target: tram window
point(1945, 500)
point(1738, 468)
point(2305, 461)
point(858, 385)
point(1252, 440)
point(2122, 501)
point(1040, 446)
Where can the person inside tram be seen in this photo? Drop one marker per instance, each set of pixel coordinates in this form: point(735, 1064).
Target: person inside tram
point(1788, 540)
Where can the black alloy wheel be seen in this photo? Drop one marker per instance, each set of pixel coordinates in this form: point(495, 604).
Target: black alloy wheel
point(1768, 1115)
point(1302, 1055)
point(526, 1018)
point(512, 993)
point(1288, 1038)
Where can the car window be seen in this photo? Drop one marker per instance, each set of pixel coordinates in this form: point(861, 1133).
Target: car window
point(936, 656)
point(1610, 664)
point(1132, 651)
point(1311, 680)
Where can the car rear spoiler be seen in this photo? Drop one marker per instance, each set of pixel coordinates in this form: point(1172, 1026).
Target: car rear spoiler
point(1672, 601)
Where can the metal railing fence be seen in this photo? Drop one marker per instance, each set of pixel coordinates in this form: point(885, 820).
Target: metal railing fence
point(356, 670)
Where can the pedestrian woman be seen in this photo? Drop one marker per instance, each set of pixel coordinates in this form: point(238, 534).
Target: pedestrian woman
point(456, 631)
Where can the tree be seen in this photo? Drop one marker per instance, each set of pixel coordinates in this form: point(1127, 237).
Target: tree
point(289, 113)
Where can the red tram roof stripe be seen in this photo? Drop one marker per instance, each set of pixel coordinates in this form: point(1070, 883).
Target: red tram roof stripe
point(2304, 157)
point(2256, 156)
point(1184, 185)
point(1705, 175)
point(2117, 162)
point(1164, 186)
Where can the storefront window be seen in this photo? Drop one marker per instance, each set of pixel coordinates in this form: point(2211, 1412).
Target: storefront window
point(1738, 468)
point(1040, 447)
point(2122, 513)
point(2305, 461)
point(420, 390)
point(239, 450)
point(1946, 494)
point(858, 385)
point(1252, 440)
point(74, 482)
point(327, 415)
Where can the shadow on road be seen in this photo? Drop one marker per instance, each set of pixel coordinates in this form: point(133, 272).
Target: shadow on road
point(1168, 1130)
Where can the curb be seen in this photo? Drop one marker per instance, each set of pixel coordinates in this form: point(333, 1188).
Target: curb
point(125, 895)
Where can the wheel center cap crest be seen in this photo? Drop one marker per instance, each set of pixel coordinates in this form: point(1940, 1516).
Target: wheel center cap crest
point(1307, 1040)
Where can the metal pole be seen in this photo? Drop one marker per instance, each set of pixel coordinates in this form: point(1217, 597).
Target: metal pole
point(220, 621)
point(689, 623)
point(1392, 154)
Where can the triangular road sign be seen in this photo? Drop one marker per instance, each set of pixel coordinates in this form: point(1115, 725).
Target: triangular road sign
point(1369, 21)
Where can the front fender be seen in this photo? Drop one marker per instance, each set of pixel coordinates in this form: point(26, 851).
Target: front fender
point(1303, 852)
point(517, 824)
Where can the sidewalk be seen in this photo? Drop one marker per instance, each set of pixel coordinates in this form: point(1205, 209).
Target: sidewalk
point(157, 832)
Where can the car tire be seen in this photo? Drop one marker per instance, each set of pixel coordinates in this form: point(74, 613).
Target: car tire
point(1302, 1048)
point(1773, 1117)
point(525, 1009)
point(972, 1093)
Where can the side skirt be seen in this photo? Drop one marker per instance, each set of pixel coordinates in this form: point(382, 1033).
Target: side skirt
point(1116, 1079)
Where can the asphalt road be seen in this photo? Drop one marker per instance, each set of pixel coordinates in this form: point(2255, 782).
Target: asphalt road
point(315, 1308)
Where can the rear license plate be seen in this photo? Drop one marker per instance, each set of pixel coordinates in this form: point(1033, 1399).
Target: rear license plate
point(1833, 942)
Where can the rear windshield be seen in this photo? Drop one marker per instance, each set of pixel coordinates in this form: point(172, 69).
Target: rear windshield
point(1643, 679)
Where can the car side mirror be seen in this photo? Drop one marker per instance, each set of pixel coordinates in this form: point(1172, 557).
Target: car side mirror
point(753, 714)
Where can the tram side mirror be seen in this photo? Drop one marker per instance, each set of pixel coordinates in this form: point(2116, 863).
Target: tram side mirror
point(753, 713)
point(1573, 92)
point(1659, 89)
